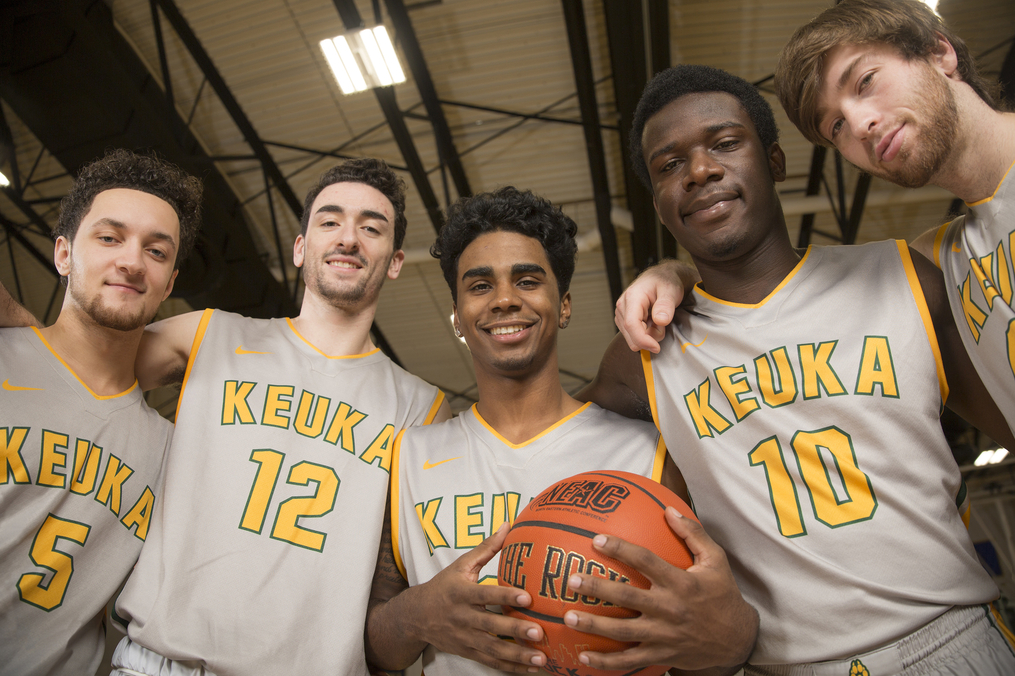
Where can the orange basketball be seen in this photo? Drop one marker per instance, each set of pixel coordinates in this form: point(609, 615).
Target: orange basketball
point(552, 538)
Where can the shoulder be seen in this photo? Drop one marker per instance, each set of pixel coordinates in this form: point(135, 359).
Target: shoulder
point(602, 418)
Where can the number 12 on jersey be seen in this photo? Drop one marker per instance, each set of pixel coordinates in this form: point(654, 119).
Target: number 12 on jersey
point(857, 503)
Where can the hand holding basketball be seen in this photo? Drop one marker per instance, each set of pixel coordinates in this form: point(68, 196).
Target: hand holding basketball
point(691, 619)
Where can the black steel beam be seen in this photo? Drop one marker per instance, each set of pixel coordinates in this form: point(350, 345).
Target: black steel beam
point(813, 188)
point(578, 40)
point(527, 116)
point(1007, 76)
point(15, 233)
point(863, 184)
point(424, 83)
point(659, 56)
point(389, 106)
point(626, 36)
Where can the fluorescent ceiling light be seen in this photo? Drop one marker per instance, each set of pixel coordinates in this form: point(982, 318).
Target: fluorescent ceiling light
point(3, 181)
point(932, 4)
point(363, 58)
point(991, 456)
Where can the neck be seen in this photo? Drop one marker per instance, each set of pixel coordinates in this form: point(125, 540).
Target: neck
point(750, 278)
point(102, 358)
point(983, 151)
point(337, 332)
point(520, 408)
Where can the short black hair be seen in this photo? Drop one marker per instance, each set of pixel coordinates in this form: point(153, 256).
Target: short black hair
point(512, 210)
point(369, 171)
point(672, 83)
point(121, 168)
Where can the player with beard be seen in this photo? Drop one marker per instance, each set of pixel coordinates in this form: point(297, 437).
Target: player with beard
point(894, 90)
point(278, 473)
point(800, 397)
point(81, 454)
point(508, 257)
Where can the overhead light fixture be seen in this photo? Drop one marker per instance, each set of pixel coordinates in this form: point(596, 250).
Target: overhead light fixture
point(932, 4)
point(991, 456)
point(3, 181)
point(363, 58)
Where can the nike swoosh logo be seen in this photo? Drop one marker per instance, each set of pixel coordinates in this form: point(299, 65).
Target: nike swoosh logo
point(240, 350)
point(684, 346)
point(14, 388)
point(428, 465)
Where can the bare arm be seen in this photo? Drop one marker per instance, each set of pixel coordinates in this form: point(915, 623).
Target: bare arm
point(619, 385)
point(646, 308)
point(448, 612)
point(967, 395)
point(165, 349)
point(13, 313)
point(925, 244)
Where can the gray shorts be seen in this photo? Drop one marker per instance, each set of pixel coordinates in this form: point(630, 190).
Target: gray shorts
point(965, 640)
point(131, 659)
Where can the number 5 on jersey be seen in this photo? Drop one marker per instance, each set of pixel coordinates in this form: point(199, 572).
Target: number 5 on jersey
point(31, 586)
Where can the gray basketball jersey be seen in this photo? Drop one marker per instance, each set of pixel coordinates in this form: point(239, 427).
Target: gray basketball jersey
point(79, 478)
point(806, 428)
point(458, 481)
point(974, 253)
point(261, 555)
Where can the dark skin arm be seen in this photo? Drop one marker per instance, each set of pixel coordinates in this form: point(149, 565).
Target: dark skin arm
point(967, 395)
point(695, 620)
point(448, 612)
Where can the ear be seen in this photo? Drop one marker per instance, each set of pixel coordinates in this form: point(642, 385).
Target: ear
point(454, 319)
point(299, 250)
point(777, 163)
point(944, 58)
point(565, 310)
point(395, 266)
point(61, 255)
point(169, 287)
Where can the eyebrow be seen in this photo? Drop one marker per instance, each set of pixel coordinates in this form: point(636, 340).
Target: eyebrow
point(120, 225)
point(821, 111)
point(516, 269)
point(711, 129)
point(337, 209)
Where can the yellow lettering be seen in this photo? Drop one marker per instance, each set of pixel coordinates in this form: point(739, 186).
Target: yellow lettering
point(986, 288)
point(428, 520)
point(786, 394)
point(274, 404)
point(736, 389)
point(86, 467)
point(140, 514)
point(468, 515)
point(302, 423)
point(505, 508)
point(341, 427)
point(876, 368)
point(234, 403)
point(704, 416)
point(380, 448)
point(112, 484)
point(12, 465)
point(52, 458)
point(817, 372)
point(975, 317)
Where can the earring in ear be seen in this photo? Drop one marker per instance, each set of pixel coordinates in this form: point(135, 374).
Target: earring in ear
point(458, 332)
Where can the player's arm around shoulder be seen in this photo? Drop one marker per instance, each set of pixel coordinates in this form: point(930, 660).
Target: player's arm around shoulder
point(448, 612)
point(619, 385)
point(165, 349)
point(13, 313)
point(967, 395)
point(924, 244)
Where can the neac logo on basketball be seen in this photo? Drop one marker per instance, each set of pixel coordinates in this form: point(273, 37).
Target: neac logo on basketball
point(600, 497)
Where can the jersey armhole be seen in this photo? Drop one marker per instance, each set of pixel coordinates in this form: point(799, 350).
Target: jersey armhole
point(660, 460)
point(646, 365)
point(395, 481)
point(938, 238)
point(928, 323)
point(435, 407)
point(202, 327)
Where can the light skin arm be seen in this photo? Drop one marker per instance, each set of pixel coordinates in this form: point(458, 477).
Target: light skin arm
point(925, 244)
point(967, 395)
point(646, 308)
point(448, 612)
point(13, 313)
point(164, 350)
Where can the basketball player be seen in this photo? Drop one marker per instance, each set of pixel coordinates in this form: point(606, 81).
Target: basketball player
point(261, 551)
point(799, 397)
point(508, 257)
point(893, 89)
point(81, 454)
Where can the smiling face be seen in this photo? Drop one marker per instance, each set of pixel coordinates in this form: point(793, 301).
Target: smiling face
point(892, 117)
point(348, 248)
point(509, 308)
point(120, 266)
point(713, 183)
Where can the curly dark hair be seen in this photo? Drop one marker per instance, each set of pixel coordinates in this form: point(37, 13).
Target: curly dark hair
point(672, 83)
point(369, 171)
point(512, 210)
point(122, 168)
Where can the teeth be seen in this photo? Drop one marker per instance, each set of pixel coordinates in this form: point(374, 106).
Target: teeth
point(343, 264)
point(503, 330)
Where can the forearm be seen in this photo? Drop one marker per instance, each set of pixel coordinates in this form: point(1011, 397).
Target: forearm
point(392, 635)
point(12, 313)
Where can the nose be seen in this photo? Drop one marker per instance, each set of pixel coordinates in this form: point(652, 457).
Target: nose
point(861, 119)
point(348, 237)
point(505, 298)
point(131, 259)
point(701, 168)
